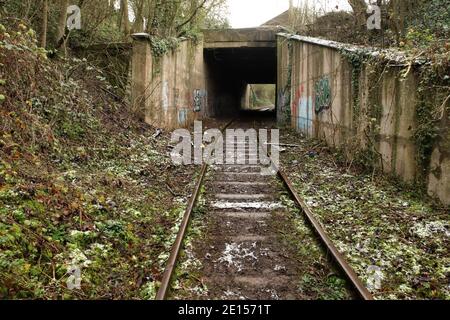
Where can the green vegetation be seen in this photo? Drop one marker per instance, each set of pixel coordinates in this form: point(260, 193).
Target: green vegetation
point(262, 96)
point(188, 283)
point(82, 183)
point(320, 278)
point(411, 24)
point(374, 223)
point(113, 21)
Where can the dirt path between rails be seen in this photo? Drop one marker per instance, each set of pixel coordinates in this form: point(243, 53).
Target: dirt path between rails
point(250, 242)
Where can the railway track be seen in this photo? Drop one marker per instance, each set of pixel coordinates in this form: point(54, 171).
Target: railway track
point(243, 253)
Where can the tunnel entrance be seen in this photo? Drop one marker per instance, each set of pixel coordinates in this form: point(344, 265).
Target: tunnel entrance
point(260, 97)
point(230, 71)
point(234, 60)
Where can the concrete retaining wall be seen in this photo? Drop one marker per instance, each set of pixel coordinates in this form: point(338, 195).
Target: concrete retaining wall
point(168, 91)
point(316, 94)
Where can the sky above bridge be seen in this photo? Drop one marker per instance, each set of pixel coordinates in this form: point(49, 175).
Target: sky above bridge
point(252, 13)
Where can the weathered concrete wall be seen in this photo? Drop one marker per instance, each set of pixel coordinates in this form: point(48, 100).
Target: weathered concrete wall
point(238, 38)
point(321, 95)
point(439, 179)
point(168, 91)
point(246, 98)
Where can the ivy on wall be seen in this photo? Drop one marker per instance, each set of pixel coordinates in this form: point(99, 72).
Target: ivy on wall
point(284, 114)
point(430, 110)
point(323, 94)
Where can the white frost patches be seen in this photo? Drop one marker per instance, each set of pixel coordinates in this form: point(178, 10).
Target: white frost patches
point(427, 229)
point(312, 204)
point(234, 255)
point(273, 294)
point(264, 252)
point(233, 295)
point(279, 268)
point(191, 262)
point(248, 205)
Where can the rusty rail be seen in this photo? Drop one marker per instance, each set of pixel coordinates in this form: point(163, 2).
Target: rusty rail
point(337, 256)
point(178, 244)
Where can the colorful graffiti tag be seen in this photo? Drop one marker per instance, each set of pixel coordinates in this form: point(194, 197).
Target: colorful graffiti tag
point(199, 99)
point(305, 115)
point(302, 111)
point(323, 94)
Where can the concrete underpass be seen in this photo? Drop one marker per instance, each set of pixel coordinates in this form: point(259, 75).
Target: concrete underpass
point(319, 92)
point(233, 60)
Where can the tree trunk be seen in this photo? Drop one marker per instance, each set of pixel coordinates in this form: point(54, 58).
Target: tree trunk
point(399, 12)
point(360, 10)
point(44, 26)
point(62, 21)
point(150, 16)
point(125, 17)
point(139, 21)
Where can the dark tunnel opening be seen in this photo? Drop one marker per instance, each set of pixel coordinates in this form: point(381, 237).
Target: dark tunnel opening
point(231, 70)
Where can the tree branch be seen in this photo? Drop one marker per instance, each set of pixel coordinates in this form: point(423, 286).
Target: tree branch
point(192, 16)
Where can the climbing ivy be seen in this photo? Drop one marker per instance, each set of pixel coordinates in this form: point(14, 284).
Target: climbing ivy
point(432, 90)
point(286, 108)
point(162, 46)
point(356, 60)
point(372, 116)
point(430, 110)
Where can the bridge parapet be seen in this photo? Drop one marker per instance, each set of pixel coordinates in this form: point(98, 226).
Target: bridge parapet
point(241, 38)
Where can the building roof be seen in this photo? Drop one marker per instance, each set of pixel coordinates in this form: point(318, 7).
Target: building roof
point(280, 20)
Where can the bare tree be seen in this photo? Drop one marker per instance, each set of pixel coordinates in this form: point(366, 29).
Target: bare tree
point(61, 30)
point(125, 17)
point(138, 25)
point(360, 10)
point(192, 16)
point(44, 26)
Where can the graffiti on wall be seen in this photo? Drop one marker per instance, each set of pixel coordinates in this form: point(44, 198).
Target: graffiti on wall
point(183, 116)
point(305, 115)
point(165, 96)
point(281, 99)
point(299, 94)
point(284, 109)
point(302, 110)
point(323, 94)
point(199, 100)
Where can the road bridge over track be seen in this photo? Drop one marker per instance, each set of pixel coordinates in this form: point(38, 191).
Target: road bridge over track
point(235, 58)
point(320, 92)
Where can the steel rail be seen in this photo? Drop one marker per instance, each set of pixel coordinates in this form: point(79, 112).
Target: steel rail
point(337, 256)
point(178, 244)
